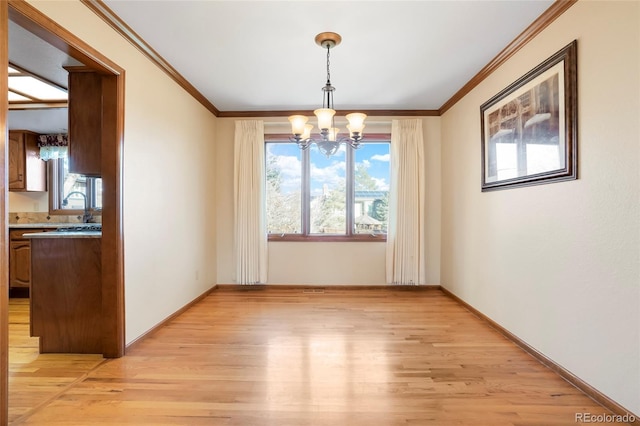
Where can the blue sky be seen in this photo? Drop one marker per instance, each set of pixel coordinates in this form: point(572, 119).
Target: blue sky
point(329, 171)
point(376, 157)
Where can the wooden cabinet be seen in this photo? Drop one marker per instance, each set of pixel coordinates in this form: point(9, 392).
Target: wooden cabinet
point(85, 121)
point(20, 258)
point(20, 264)
point(27, 172)
point(66, 294)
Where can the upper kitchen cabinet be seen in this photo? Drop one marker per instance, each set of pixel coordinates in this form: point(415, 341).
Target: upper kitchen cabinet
point(85, 121)
point(27, 172)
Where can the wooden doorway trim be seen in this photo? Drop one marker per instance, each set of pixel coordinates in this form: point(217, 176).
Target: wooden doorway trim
point(4, 235)
point(25, 15)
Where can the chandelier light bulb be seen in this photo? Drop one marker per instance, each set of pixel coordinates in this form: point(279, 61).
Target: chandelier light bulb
point(332, 134)
point(298, 123)
point(356, 121)
point(325, 117)
point(355, 133)
point(307, 131)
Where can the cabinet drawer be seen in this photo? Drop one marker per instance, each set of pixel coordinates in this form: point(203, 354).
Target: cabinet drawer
point(16, 235)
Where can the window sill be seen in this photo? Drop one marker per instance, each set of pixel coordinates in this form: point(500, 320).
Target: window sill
point(369, 238)
point(73, 212)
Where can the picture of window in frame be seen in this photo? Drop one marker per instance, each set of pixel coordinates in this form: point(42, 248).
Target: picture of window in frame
point(529, 129)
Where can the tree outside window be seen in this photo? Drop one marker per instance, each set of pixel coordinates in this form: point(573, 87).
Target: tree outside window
point(308, 194)
point(63, 184)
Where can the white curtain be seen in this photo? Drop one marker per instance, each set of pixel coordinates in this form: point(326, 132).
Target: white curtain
point(249, 203)
point(405, 234)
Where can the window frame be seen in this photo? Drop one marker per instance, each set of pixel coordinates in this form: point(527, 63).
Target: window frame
point(56, 177)
point(305, 234)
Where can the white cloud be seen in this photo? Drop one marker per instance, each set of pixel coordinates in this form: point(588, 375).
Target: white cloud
point(288, 165)
point(381, 184)
point(331, 175)
point(290, 170)
point(378, 157)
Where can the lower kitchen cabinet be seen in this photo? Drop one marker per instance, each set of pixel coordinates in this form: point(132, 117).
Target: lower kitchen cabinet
point(66, 294)
point(19, 264)
point(20, 258)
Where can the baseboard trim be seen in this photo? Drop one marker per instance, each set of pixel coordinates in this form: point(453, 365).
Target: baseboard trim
point(574, 380)
point(168, 319)
point(303, 287)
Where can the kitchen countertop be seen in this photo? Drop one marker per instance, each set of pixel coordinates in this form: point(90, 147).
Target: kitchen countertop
point(48, 225)
point(68, 234)
point(77, 232)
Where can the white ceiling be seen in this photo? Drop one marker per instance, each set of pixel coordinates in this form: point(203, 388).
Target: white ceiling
point(35, 55)
point(261, 55)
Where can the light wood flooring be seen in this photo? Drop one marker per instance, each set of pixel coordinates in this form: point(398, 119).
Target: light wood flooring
point(293, 357)
point(35, 378)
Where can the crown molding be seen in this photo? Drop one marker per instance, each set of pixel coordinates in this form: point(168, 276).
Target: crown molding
point(544, 20)
point(536, 27)
point(114, 21)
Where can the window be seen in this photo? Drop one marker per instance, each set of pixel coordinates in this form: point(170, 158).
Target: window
point(312, 197)
point(65, 185)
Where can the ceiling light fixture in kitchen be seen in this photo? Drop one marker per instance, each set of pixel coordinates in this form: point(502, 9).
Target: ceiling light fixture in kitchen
point(329, 142)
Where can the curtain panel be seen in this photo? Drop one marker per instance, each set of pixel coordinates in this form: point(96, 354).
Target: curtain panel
point(249, 203)
point(405, 235)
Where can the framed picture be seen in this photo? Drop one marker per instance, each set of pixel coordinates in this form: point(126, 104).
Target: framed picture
point(530, 129)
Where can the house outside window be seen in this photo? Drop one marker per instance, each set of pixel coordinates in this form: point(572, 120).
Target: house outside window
point(312, 197)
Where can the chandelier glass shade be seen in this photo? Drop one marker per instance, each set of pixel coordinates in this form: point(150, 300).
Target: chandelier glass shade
point(329, 141)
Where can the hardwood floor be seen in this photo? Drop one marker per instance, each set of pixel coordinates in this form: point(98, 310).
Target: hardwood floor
point(35, 378)
point(338, 357)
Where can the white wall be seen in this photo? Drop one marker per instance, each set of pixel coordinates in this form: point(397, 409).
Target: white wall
point(169, 186)
point(558, 265)
point(28, 201)
point(350, 263)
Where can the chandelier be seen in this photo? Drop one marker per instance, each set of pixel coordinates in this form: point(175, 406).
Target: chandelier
point(329, 142)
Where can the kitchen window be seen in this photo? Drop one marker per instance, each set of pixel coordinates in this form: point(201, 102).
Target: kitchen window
point(74, 188)
point(310, 197)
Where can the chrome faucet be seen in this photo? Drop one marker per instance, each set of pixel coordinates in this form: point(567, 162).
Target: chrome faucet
point(87, 217)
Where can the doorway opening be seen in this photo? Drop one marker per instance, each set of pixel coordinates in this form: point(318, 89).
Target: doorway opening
point(111, 141)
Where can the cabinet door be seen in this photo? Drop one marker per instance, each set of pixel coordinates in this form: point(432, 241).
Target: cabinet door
point(85, 121)
point(35, 168)
point(27, 172)
point(16, 161)
point(19, 264)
